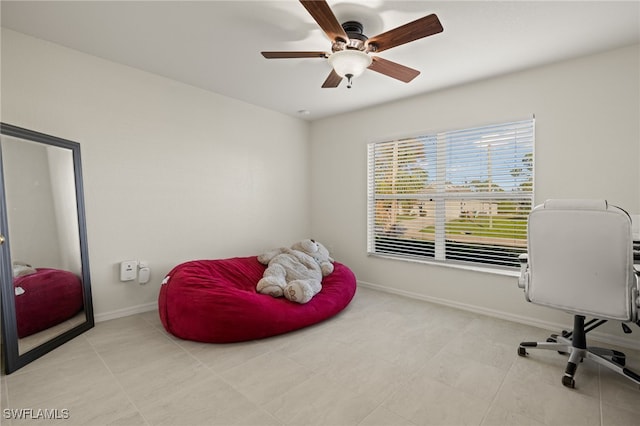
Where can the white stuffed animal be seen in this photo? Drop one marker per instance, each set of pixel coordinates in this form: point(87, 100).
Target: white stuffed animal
point(295, 273)
point(21, 269)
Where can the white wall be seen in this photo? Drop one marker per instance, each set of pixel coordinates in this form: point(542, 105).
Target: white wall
point(174, 173)
point(63, 188)
point(171, 172)
point(33, 232)
point(587, 145)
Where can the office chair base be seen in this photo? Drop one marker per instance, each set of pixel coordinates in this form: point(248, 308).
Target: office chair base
point(609, 358)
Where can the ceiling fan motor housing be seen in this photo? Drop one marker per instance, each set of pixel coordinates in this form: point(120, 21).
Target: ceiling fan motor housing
point(357, 40)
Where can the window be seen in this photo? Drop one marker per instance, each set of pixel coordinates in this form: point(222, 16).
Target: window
point(457, 196)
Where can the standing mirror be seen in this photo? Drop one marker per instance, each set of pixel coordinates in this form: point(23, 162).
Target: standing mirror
point(44, 265)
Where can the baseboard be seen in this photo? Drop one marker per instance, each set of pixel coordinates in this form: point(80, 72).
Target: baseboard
point(534, 322)
point(119, 313)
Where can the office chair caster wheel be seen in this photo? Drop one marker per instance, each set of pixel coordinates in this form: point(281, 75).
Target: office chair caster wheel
point(568, 382)
point(620, 361)
point(522, 351)
point(619, 358)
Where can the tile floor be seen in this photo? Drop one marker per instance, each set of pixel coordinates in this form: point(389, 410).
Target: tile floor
point(385, 360)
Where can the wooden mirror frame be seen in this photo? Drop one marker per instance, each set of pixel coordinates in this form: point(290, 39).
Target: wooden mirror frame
point(12, 358)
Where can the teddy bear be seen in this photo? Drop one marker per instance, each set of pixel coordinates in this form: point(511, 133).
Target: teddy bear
point(21, 269)
point(295, 273)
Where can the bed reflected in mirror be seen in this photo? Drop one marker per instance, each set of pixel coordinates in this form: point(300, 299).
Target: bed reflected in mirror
point(45, 269)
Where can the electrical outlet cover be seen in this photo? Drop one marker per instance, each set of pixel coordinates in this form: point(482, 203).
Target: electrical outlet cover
point(128, 270)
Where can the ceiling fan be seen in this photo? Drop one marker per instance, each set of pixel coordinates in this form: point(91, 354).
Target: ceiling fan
point(350, 49)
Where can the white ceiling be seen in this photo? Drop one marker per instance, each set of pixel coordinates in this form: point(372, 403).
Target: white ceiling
point(216, 45)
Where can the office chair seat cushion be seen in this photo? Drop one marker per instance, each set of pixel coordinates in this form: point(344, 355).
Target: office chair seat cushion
point(46, 298)
point(216, 301)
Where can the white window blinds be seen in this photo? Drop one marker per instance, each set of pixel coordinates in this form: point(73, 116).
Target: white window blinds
point(457, 196)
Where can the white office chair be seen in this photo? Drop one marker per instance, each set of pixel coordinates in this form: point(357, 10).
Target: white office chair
point(580, 260)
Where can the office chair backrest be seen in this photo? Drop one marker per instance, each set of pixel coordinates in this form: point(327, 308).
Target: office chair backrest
point(581, 258)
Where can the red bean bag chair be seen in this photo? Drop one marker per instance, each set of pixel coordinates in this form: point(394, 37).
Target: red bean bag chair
point(46, 298)
point(216, 301)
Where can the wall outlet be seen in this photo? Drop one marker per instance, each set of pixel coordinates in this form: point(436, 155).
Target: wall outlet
point(128, 270)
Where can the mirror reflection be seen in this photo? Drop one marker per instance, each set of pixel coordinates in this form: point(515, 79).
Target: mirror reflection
point(44, 240)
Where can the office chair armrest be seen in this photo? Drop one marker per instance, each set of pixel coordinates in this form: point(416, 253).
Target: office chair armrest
point(523, 280)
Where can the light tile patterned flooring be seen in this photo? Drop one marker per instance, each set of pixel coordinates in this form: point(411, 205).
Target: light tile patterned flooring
point(385, 360)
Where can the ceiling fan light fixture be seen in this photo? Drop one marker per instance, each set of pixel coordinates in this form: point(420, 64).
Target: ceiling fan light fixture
point(349, 62)
point(351, 47)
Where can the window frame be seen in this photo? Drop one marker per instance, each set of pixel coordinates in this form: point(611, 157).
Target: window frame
point(517, 197)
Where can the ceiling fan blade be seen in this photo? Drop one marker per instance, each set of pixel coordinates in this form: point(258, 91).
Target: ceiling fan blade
point(332, 81)
point(285, 55)
point(423, 27)
point(393, 69)
point(321, 12)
